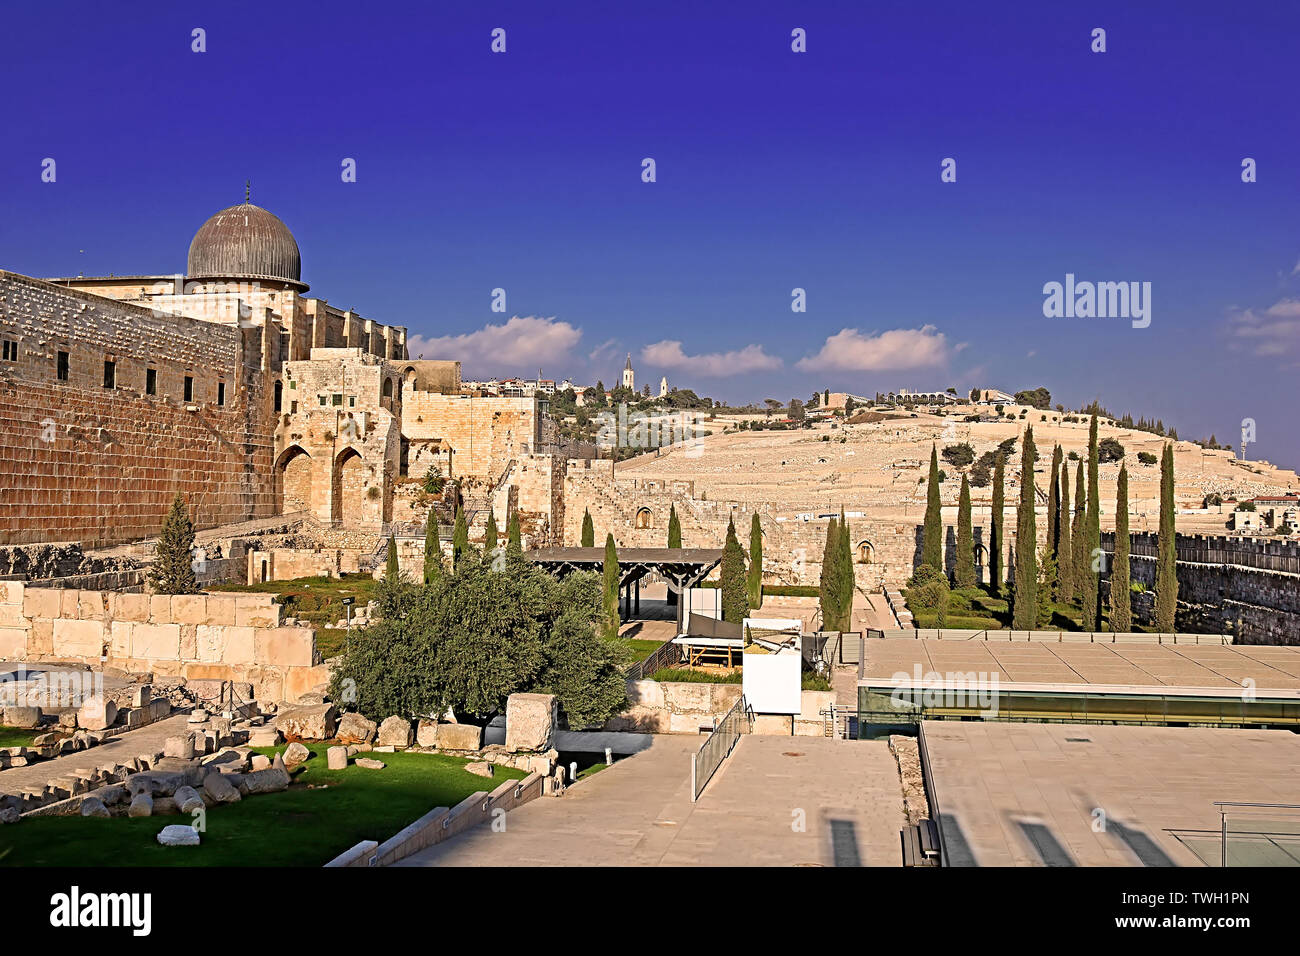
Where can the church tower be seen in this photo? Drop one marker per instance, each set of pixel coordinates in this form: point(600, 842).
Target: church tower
point(629, 377)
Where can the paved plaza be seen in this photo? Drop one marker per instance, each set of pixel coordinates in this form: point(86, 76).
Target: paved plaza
point(778, 801)
point(1094, 795)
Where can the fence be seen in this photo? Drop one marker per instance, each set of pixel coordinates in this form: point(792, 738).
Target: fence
point(706, 761)
point(1258, 834)
point(666, 655)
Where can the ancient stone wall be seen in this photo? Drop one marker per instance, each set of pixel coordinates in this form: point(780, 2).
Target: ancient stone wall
point(200, 636)
point(483, 433)
point(1247, 586)
point(94, 452)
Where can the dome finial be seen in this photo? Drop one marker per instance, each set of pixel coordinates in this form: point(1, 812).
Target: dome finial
point(248, 186)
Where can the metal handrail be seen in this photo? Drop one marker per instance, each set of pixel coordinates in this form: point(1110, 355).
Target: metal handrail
point(718, 746)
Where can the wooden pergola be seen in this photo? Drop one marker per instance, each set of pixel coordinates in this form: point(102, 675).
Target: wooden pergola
point(681, 568)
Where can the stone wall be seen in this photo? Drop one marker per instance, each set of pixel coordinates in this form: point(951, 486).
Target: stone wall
point(236, 637)
point(482, 433)
point(1246, 586)
point(98, 462)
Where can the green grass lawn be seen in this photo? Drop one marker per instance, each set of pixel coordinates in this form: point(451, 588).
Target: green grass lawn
point(317, 600)
point(976, 609)
point(323, 813)
point(639, 647)
point(690, 675)
point(17, 737)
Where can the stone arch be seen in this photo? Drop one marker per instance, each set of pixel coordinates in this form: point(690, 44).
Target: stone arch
point(864, 552)
point(386, 394)
point(293, 480)
point(643, 518)
point(349, 487)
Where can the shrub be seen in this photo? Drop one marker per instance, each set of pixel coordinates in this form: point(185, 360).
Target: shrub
point(959, 456)
point(1145, 457)
point(1109, 449)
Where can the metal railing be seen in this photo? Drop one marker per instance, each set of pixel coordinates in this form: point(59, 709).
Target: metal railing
point(719, 745)
point(1258, 834)
point(665, 655)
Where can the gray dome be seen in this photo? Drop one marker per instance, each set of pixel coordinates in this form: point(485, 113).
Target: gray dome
point(245, 242)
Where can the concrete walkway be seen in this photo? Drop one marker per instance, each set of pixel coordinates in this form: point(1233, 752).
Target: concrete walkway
point(120, 749)
point(778, 801)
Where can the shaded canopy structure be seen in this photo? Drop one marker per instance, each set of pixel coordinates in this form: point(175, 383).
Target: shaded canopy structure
point(681, 568)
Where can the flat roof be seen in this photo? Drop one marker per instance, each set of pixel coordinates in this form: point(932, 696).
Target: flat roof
point(1095, 795)
point(628, 555)
point(1044, 666)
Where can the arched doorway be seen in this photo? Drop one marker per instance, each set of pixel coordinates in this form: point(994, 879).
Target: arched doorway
point(349, 487)
point(643, 518)
point(293, 480)
point(864, 553)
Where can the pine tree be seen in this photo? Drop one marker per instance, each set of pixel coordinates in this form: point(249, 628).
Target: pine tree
point(392, 570)
point(1121, 612)
point(588, 530)
point(932, 530)
point(459, 538)
point(1166, 550)
point(609, 593)
point(173, 570)
point(432, 548)
point(1091, 599)
point(1025, 608)
point(514, 536)
point(997, 527)
point(674, 528)
point(1065, 547)
point(735, 602)
point(847, 582)
point(965, 539)
point(490, 533)
point(826, 586)
point(755, 582)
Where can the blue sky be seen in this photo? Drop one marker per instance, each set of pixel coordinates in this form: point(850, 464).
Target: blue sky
point(775, 170)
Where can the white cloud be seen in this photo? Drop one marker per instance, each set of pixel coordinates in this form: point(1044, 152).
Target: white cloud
point(669, 355)
point(1275, 331)
point(851, 351)
point(603, 352)
point(520, 344)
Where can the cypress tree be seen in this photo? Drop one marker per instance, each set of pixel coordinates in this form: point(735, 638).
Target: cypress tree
point(432, 548)
point(965, 539)
point(932, 531)
point(674, 541)
point(826, 586)
point(735, 601)
point(490, 533)
point(674, 528)
point(1121, 612)
point(1054, 511)
point(997, 571)
point(1025, 608)
point(173, 570)
point(392, 570)
point(1166, 552)
point(1091, 600)
point(846, 581)
point(1046, 585)
point(1065, 546)
point(755, 582)
point(514, 536)
point(588, 530)
point(609, 591)
point(459, 538)
point(1079, 536)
